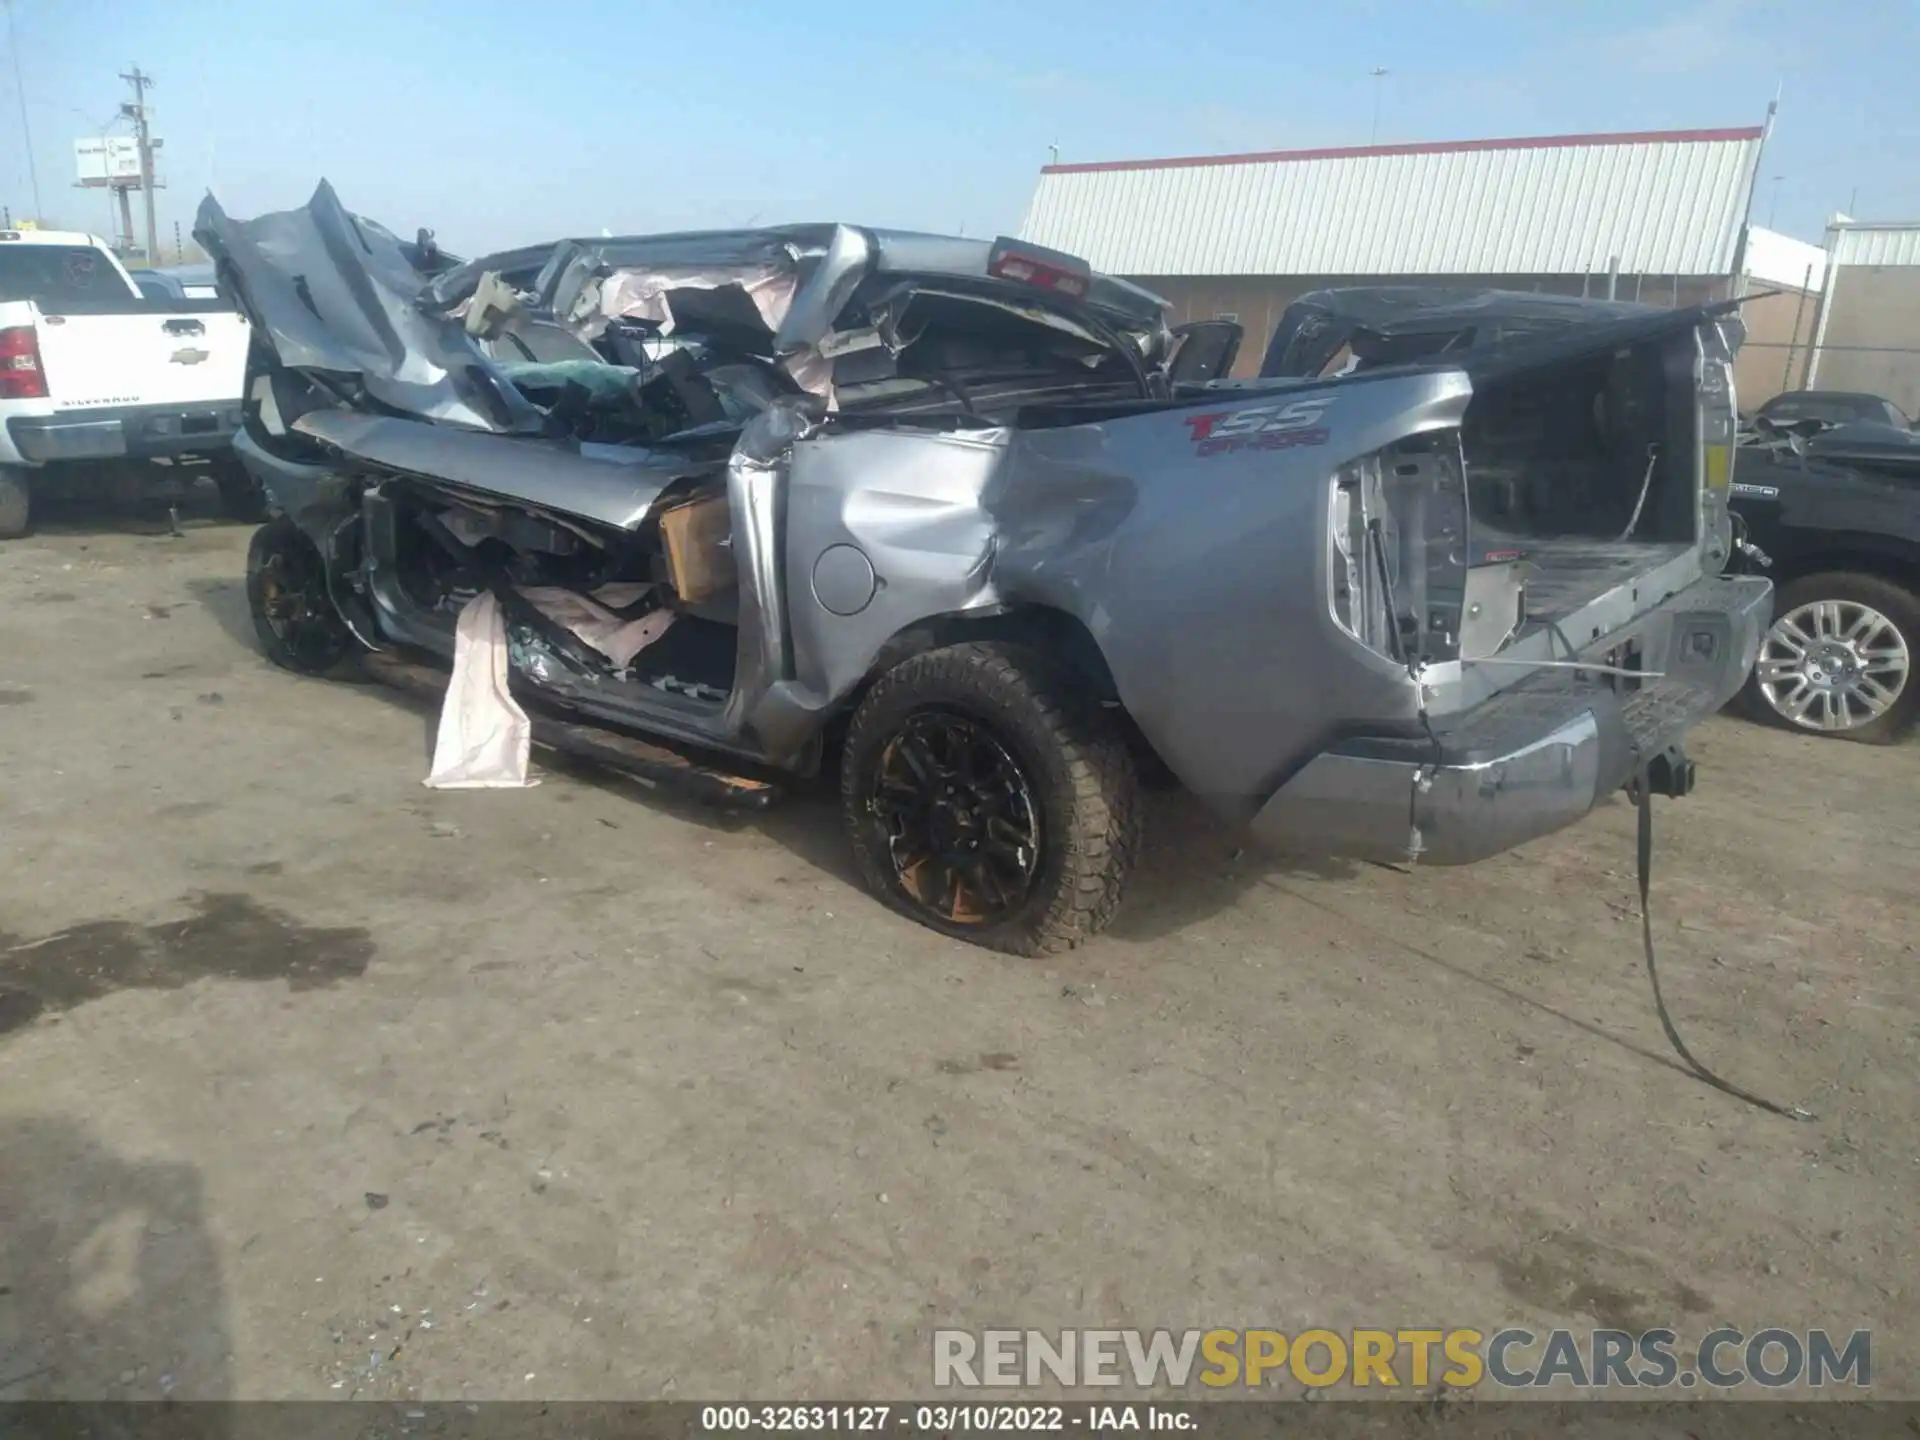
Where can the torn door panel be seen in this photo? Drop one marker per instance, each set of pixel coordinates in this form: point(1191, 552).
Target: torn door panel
point(884, 528)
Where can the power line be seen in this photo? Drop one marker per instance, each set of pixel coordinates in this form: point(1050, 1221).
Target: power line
point(26, 128)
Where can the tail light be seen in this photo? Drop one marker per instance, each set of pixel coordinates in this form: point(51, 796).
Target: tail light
point(1041, 268)
point(1719, 430)
point(1398, 549)
point(21, 377)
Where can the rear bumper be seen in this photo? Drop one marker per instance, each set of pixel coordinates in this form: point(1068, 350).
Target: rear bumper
point(129, 431)
point(1534, 758)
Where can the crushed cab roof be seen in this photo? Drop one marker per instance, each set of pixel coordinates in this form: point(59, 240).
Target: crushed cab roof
point(346, 298)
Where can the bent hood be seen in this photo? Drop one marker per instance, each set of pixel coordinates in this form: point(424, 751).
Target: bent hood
point(613, 485)
point(336, 295)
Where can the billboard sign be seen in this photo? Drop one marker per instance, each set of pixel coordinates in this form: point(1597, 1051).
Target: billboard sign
point(107, 158)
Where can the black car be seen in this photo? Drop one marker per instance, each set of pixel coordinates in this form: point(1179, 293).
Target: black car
point(1831, 408)
point(1837, 512)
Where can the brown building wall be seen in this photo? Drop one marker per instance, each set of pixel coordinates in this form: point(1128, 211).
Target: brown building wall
point(1258, 301)
point(1877, 309)
point(1779, 337)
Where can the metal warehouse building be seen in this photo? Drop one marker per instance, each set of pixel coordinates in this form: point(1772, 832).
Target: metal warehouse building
point(1867, 337)
point(1657, 216)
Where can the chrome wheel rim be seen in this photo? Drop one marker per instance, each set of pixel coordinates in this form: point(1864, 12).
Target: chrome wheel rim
point(1833, 665)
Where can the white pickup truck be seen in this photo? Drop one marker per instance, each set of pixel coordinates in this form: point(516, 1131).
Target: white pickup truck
point(97, 379)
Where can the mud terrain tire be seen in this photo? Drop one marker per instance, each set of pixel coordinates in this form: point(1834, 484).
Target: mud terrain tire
point(1042, 751)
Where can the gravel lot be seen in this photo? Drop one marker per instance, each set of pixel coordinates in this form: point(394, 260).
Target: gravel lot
point(578, 1092)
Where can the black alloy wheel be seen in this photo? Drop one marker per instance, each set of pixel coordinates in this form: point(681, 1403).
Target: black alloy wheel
point(287, 594)
point(988, 796)
point(962, 833)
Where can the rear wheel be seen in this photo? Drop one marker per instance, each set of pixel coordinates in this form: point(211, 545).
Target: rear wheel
point(16, 502)
point(287, 594)
point(989, 800)
point(1838, 659)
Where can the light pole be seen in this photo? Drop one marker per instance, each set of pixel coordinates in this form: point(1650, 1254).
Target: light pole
point(1379, 73)
point(1773, 200)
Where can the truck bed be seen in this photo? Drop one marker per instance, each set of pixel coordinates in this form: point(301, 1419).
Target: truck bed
point(1567, 573)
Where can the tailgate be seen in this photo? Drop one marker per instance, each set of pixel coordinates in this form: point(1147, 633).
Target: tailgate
point(148, 357)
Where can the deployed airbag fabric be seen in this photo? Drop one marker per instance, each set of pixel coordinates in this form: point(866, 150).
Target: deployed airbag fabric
point(484, 737)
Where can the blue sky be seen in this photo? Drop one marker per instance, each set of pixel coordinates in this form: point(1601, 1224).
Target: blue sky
point(497, 123)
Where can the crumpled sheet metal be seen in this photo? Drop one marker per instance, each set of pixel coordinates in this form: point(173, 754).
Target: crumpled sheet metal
point(484, 737)
point(337, 293)
point(601, 483)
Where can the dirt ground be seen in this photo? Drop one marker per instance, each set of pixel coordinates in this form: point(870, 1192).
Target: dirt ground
point(316, 1083)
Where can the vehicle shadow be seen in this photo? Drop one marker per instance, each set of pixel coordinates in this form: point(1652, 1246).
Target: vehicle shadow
point(1191, 868)
point(110, 1286)
point(194, 503)
point(226, 602)
point(1191, 865)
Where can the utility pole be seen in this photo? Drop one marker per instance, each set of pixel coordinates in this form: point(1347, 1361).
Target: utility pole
point(26, 130)
point(1379, 73)
point(137, 112)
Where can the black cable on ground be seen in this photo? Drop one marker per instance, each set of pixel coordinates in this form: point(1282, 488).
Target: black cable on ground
point(1644, 864)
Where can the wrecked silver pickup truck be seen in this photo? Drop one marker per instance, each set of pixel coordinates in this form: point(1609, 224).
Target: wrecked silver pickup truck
point(945, 515)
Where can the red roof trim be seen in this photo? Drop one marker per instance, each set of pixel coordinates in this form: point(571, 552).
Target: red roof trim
point(1442, 147)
